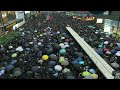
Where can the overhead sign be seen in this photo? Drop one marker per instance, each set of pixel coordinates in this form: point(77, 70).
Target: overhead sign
point(99, 20)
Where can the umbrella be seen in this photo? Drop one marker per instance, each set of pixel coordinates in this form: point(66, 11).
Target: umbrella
point(99, 51)
point(30, 42)
point(66, 43)
point(106, 49)
point(52, 63)
point(10, 47)
point(100, 46)
point(58, 68)
point(61, 44)
point(62, 37)
point(2, 72)
point(108, 52)
point(117, 54)
point(66, 70)
point(88, 77)
point(13, 62)
point(50, 50)
point(9, 67)
point(95, 76)
point(92, 70)
point(61, 59)
point(28, 49)
point(14, 55)
point(70, 77)
point(53, 57)
point(63, 47)
point(20, 49)
point(57, 46)
point(75, 62)
point(115, 65)
point(79, 59)
point(72, 43)
point(106, 42)
point(86, 73)
point(45, 57)
point(17, 69)
point(41, 35)
point(17, 73)
point(34, 68)
point(65, 63)
point(40, 61)
point(80, 54)
point(113, 51)
point(81, 62)
point(62, 51)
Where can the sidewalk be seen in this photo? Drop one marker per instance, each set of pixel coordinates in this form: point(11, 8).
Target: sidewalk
point(11, 21)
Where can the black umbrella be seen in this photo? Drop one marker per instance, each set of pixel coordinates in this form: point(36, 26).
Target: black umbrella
point(53, 57)
point(52, 63)
point(34, 68)
point(70, 77)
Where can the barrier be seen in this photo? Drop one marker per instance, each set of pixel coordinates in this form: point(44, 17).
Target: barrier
point(103, 66)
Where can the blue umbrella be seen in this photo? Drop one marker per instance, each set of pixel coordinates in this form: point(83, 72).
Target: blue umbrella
point(9, 67)
point(113, 51)
point(81, 62)
point(92, 71)
point(79, 59)
point(52, 63)
point(118, 45)
point(100, 46)
point(99, 51)
point(13, 62)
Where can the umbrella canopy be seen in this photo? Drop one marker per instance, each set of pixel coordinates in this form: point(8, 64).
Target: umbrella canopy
point(79, 59)
point(14, 55)
point(58, 68)
point(10, 47)
point(17, 73)
point(66, 70)
point(88, 77)
point(70, 77)
point(92, 70)
point(61, 59)
point(66, 43)
point(2, 72)
point(34, 69)
point(100, 46)
point(86, 73)
point(117, 54)
point(115, 65)
point(62, 37)
point(99, 51)
point(63, 47)
point(106, 42)
point(81, 62)
point(13, 62)
point(95, 76)
point(79, 54)
point(19, 49)
point(30, 42)
point(53, 57)
point(52, 63)
point(62, 51)
point(40, 61)
point(61, 44)
point(113, 51)
point(9, 67)
point(108, 52)
point(45, 57)
point(65, 63)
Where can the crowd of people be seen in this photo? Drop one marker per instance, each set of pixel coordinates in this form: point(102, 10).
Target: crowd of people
point(46, 50)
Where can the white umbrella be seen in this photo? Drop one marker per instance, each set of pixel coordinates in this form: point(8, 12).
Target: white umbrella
point(115, 65)
point(61, 44)
point(66, 43)
point(10, 47)
point(58, 68)
point(20, 49)
point(108, 52)
point(66, 70)
point(106, 42)
point(117, 54)
point(62, 37)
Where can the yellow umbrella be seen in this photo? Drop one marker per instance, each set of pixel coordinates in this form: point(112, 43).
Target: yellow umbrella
point(86, 73)
point(14, 55)
point(41, 35)
point(95, 76)
point(45, 57)
point(61, 59)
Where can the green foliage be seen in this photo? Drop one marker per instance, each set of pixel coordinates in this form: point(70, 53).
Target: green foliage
point(7, 38)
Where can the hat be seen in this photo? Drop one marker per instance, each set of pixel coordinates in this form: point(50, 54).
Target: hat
point(45, 57)
point(58, 68)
